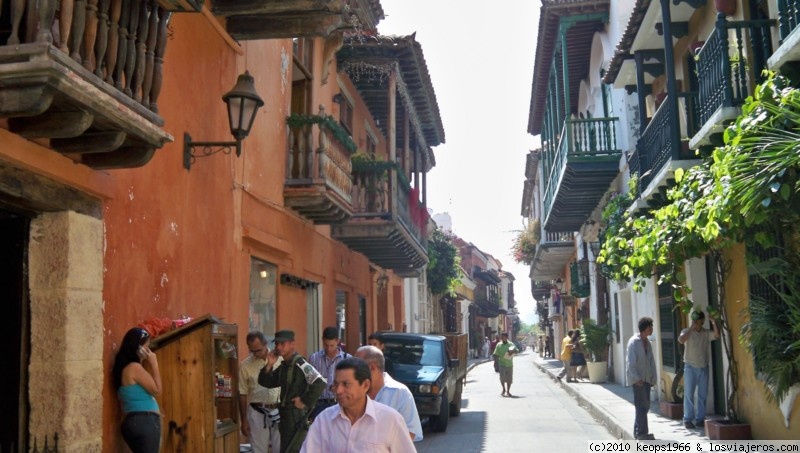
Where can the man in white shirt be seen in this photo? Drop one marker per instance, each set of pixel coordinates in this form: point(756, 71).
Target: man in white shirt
point(695, 340)
point(357, 424)
point(386, 390)
point(256, 402)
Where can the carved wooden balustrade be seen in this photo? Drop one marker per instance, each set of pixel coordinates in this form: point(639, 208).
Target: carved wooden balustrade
point(388, 223)
point(318, 181)
point(121, 41)
point(85, 74)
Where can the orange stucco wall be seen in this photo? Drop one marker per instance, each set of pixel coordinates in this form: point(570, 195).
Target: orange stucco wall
point(180, 242)
point(766, 420)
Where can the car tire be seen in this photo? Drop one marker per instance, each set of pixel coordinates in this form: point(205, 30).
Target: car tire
point(455, 406)
point(439, 422)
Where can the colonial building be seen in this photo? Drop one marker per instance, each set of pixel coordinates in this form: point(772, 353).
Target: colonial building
point(640, 88)
point(128, 193)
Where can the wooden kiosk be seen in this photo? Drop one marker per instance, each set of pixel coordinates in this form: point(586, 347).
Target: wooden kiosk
point(200, 375)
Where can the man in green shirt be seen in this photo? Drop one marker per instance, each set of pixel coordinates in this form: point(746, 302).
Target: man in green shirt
point(504, 352)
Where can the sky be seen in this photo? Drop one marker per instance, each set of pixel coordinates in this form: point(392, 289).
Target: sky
point(480, 57)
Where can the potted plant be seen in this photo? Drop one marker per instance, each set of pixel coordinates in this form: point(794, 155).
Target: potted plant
point(595, 339)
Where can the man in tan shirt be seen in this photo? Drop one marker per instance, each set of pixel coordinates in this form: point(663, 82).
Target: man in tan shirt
point(258, 406)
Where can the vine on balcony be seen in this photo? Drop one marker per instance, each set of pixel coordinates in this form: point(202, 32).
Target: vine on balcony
point(523, 249)
point(296, 120)
point(751, 183)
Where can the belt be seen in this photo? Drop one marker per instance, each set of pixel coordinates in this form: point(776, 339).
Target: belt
point(326, 400)
point(264, 406)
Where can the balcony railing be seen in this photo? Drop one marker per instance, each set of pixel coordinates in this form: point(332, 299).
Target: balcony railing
point(318, 180)
point(87, 75)
point(580, 140)
point(731, 63)
point(389, 223)
point(788, 17)
point(655, 147)
point(122, 43)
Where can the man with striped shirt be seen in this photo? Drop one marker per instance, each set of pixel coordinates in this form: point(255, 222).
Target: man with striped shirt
point(325, 361)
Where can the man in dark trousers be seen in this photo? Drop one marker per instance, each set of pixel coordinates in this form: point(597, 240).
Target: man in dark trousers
point(301, 385)
point(641, 376)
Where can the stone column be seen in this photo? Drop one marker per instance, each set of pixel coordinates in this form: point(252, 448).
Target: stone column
point(66, 363)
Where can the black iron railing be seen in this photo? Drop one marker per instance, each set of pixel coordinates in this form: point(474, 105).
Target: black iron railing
point(788, 17)
point(656, 145)
point(730, 63)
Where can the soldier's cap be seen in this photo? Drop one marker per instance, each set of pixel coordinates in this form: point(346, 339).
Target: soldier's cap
point(284, 335)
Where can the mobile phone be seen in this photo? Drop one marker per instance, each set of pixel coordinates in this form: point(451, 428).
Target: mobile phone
point(142, 353)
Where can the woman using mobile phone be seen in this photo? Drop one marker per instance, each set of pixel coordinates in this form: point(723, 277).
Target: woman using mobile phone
point(138, 381)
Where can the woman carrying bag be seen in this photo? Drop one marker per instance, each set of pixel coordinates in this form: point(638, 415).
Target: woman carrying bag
point(578, 357)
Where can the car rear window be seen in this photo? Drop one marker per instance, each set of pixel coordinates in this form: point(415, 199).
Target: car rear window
point(414, 352)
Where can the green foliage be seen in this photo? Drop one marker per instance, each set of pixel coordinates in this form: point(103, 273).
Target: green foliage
point(443, 265)
point(750, 184)
point(524, 248)
point(595, 339)
point(328, 122)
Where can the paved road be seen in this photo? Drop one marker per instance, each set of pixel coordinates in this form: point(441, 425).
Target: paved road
point(541, 417)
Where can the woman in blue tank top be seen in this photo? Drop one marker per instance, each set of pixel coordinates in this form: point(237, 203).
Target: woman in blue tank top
point(138, 381)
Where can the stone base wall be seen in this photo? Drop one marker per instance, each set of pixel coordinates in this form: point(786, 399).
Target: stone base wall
point(65, 387)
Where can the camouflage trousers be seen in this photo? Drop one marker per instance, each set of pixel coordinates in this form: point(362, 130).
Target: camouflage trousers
point(293, 427)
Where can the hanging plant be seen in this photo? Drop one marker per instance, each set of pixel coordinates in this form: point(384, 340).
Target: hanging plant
point(296, 120)
point(524, 248)
point(443, 263)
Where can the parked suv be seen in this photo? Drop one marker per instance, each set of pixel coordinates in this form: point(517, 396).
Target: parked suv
point(434, 368)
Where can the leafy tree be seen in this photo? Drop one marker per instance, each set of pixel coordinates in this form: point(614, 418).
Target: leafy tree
point(443, 264)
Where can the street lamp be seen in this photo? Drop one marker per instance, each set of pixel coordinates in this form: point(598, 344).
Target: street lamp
point(243, 103)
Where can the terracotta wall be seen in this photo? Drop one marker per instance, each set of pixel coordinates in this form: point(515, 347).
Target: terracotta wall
point(766, 419)
point(180, 242)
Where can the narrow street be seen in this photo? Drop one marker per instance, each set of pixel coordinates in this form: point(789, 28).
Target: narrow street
point(541, 417)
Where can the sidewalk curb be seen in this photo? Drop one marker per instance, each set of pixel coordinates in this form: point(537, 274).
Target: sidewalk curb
point(605, 417)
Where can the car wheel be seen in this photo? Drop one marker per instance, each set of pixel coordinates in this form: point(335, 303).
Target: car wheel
point(455, 406)
point(439, 422)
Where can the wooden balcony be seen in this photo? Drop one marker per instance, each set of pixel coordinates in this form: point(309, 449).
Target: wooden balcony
point(88, 80)
point(389, 224)
point(275, 19)
point(552, 254)
point(579, 171)
point(318, 180)
point(729, 66)
point(654, 159)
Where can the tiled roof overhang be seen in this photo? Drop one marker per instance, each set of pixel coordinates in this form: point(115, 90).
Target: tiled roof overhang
point(623, 49)
point(407, 53)
point(579, 41)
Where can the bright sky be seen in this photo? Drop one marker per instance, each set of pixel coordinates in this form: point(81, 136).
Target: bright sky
point(480, 57)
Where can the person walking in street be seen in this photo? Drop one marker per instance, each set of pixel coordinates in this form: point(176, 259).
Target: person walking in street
point(540, 346)
point(492, 346)
point(384, 389)
point(641, 375)
point(300, 384)
point(325, 361)
point(357, 423)
point(258, 406)
point(504, 355)
point(375, 339)
point(696, 341)
point(138, 381)
point(485, 348)
point(566, 354)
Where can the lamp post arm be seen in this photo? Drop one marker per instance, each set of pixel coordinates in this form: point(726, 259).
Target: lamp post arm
point(206, 149)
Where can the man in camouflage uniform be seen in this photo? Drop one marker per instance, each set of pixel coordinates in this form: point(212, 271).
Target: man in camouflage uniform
point(301, 385)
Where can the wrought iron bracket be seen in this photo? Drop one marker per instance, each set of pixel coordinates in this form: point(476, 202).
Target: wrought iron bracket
point(206, 149)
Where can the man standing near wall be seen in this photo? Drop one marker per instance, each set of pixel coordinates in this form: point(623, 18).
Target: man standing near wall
point(301, 385)
point(642, 376)
point(696, 341)
point(257, 403)
point(325, 361)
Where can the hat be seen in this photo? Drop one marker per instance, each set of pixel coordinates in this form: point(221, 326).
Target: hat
point(698, 315)
point(284, 335)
